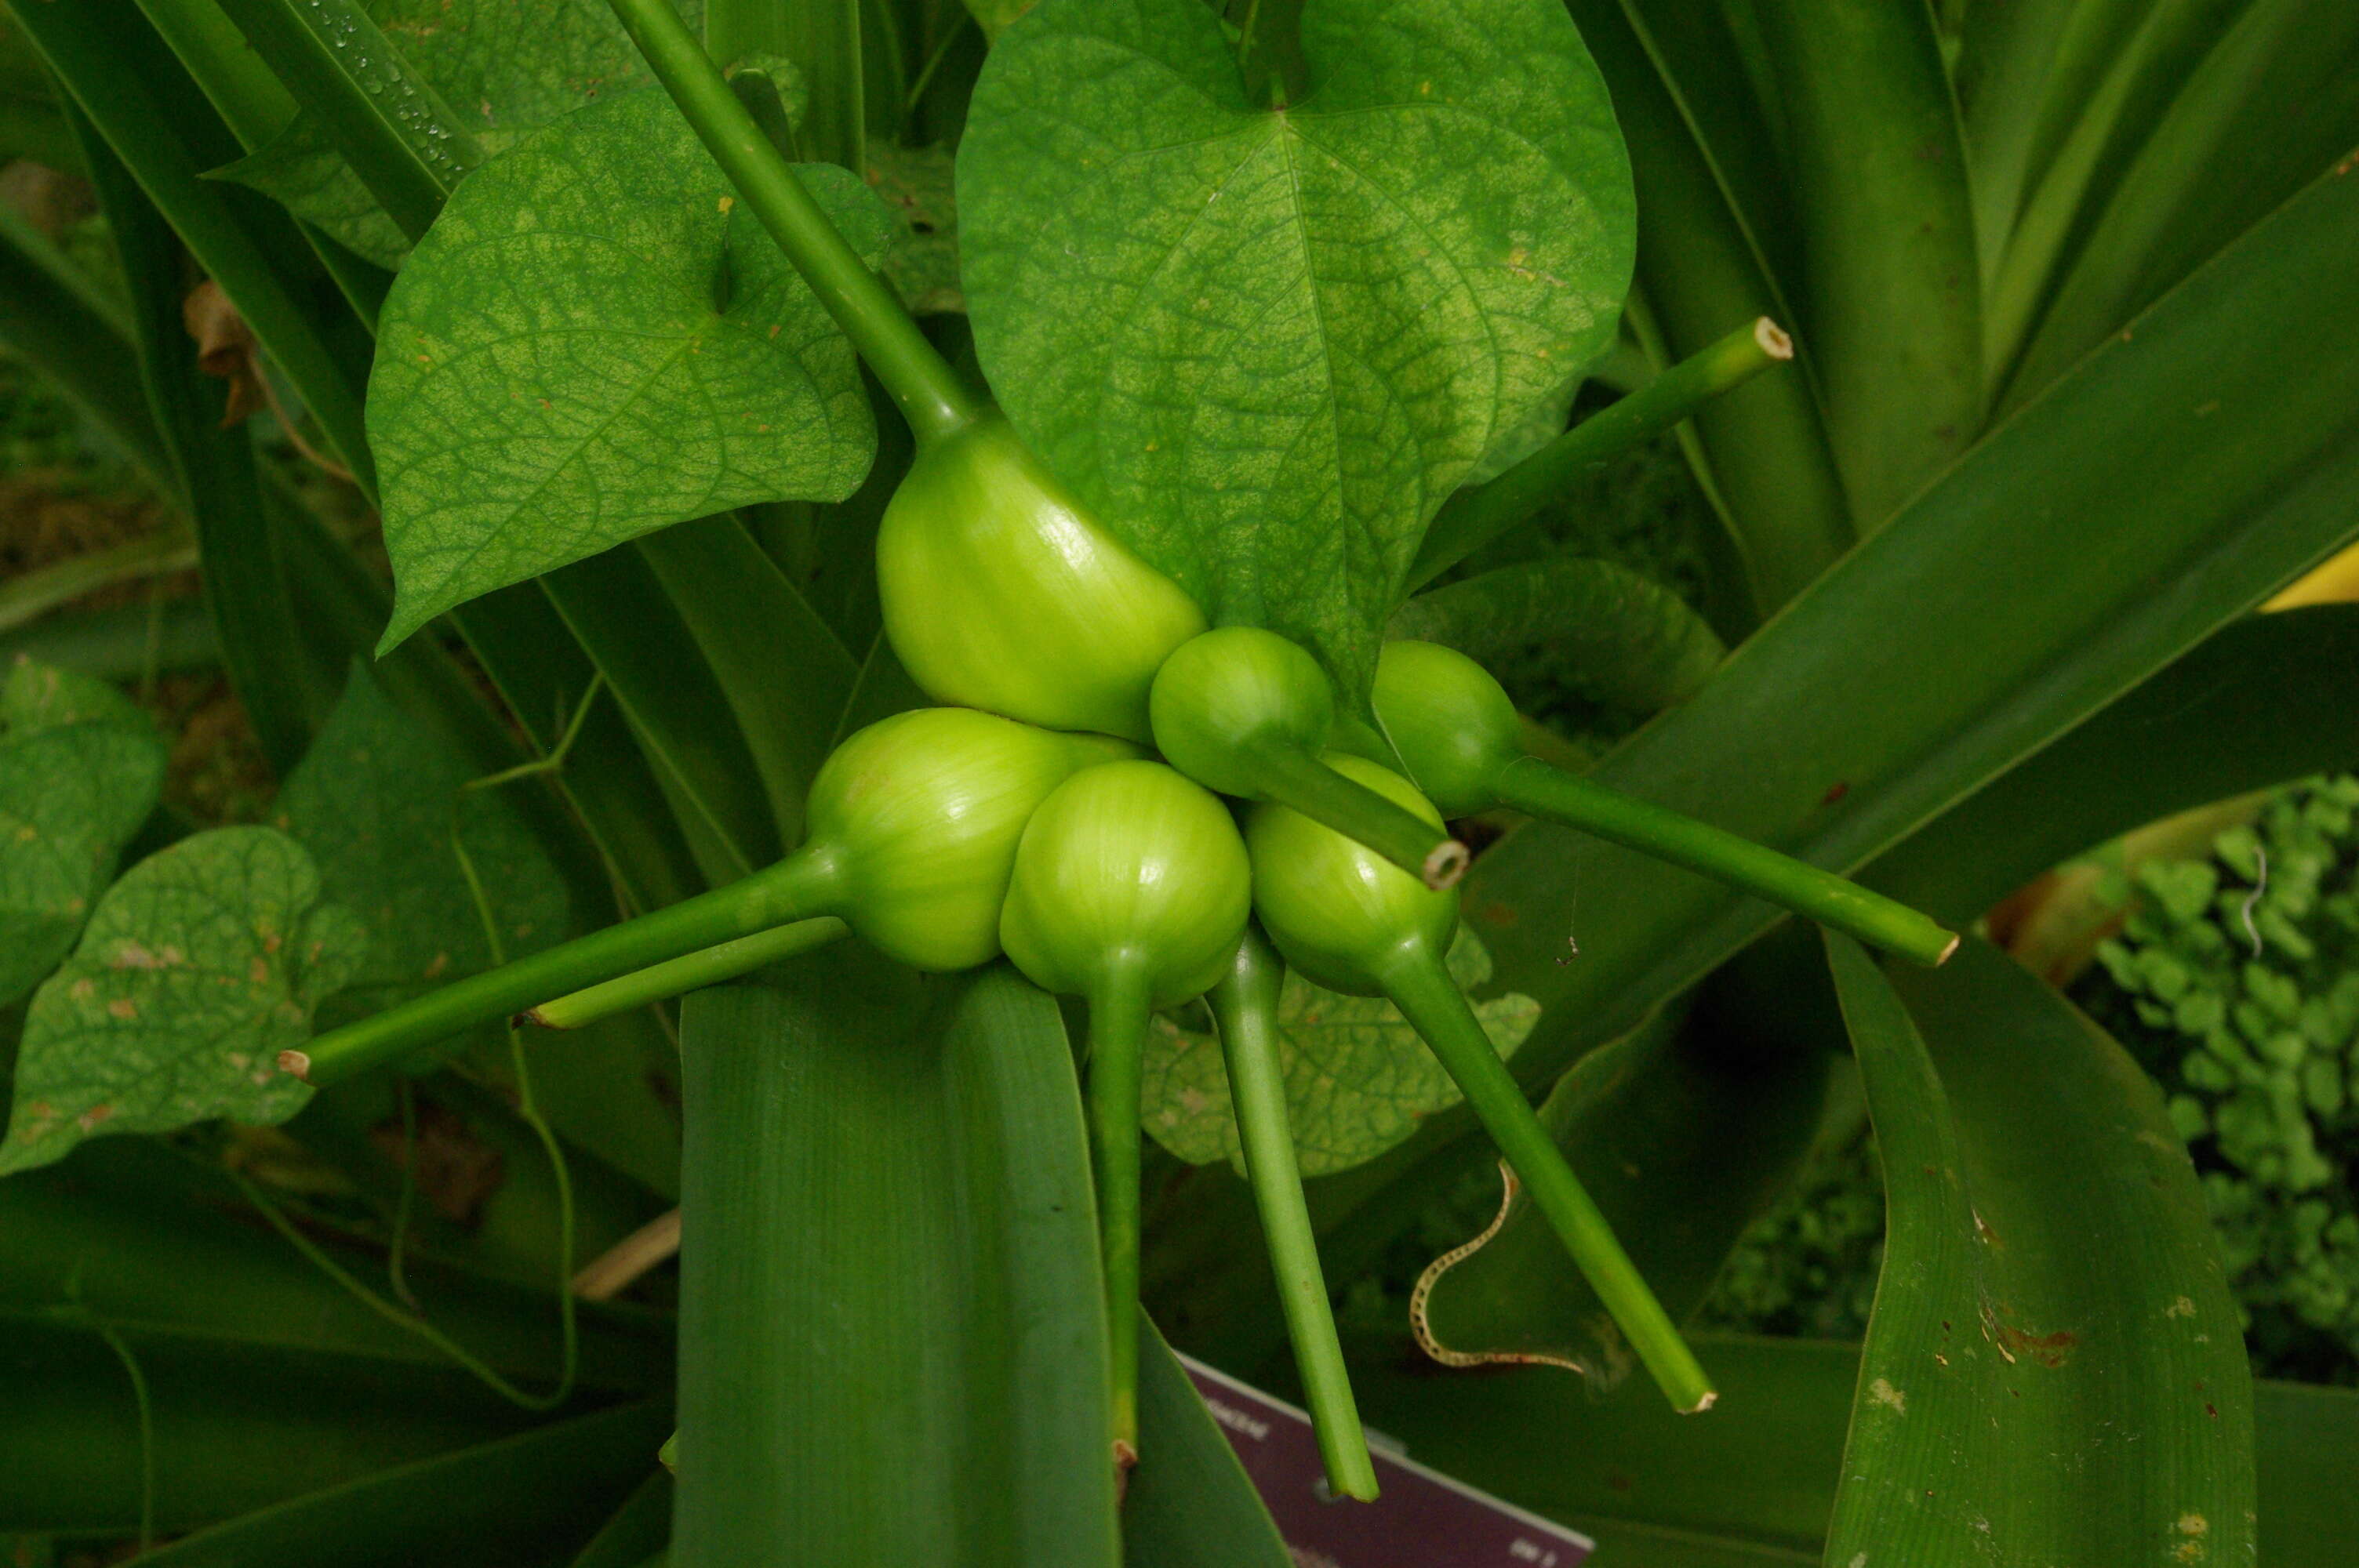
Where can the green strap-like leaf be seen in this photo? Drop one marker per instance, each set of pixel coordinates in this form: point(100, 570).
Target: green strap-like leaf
point(375, 802)
point(1191, 1507)
point(892, 1344)
point(79, 770)
point(591, 344)
point(1266, 342)
point(197, 970)
point(1358, 1079)
point(1754, 1484)
point(2050, 1286)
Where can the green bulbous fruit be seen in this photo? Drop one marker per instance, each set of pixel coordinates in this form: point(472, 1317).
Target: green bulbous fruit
point(1247, 712)
point(915, 822)
point(1223, 701)
point(1340, 913)
point(1127, 867)
point(1000, 592)
point(1452, 725)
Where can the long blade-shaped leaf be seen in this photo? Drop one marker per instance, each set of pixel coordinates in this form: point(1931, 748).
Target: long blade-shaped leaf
point(892, 1347)
point(520, 1501)
point(1755, 1483)
point(1190, 1505)
point(2050, 1286)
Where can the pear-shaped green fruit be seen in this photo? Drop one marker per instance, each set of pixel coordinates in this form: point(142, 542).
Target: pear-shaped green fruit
point(1340, 912)
point(916, 821)
point(1127, 873)
point(1130, 890)
point(1000, 592)
point(1353, 923)
point(1247, 712)
point(1457, 734)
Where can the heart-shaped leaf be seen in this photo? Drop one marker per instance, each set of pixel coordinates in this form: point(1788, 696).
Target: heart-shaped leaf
point(593, 344)
point(79, 770)
point(374, 804)
point(1266, 342)
point(509, 66)
point(1358, 1079)
point(198, 967)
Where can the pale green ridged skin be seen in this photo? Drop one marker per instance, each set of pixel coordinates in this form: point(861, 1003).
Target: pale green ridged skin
point(1234, 689)
point(920, 815)
point(1129, 864)
point(1001, 593)
point(1453, 726)
point(1338, 911)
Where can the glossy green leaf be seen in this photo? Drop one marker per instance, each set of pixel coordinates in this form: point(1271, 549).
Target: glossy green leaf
point(511, 66)
point(1684, 1136)
point(237, 1426)
point(79, 770)
point(1191, 1506)
point(892, 1343)
point(1358, 1079)
point(518, 1501)
point(2050, 1286)
point(782, 669)
point(1634, 642)
point(1754, 1485)
point(2265, 700)
point(119, 1230)
point(922, 262)
point(593, 344)
point(110, 59)
point(201, 964)
point(376, 802)
point(617, 611)
point(1266, 342)
point(2226, 153)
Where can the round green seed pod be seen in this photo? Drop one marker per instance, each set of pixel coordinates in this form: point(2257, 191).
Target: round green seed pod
point(1225, 701)
point(916, 817)
point(1000, 592)
point(1127, 867)
point(1452, 725)
point(1340, 913)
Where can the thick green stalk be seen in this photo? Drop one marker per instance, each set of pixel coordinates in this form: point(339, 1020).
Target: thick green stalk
point(931, 394)
point(1244, 1005)
point(1535, 789)
point(677, 977)
point(1300, 781)
point(1423, 992)
point(797, 888)
point(1118, 1014)
point(1480, 513)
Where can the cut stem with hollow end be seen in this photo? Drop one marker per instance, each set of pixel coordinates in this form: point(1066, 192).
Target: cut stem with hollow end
point(677, 977)
point(931, 396)
point(1418, 985)
point(1480, 513)
point(1118, 1014)
point(1244, 1006)
point(1300, 781)
point(1535, 789)
point(795, 888)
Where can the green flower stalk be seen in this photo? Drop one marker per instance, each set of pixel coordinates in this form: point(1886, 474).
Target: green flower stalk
point(1353, 923)
point(1252, 715)
point(1130, 890)
point(914, 823)
point(1457, 734)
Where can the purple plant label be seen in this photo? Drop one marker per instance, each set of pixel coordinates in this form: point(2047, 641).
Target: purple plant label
point(1422, 1519)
